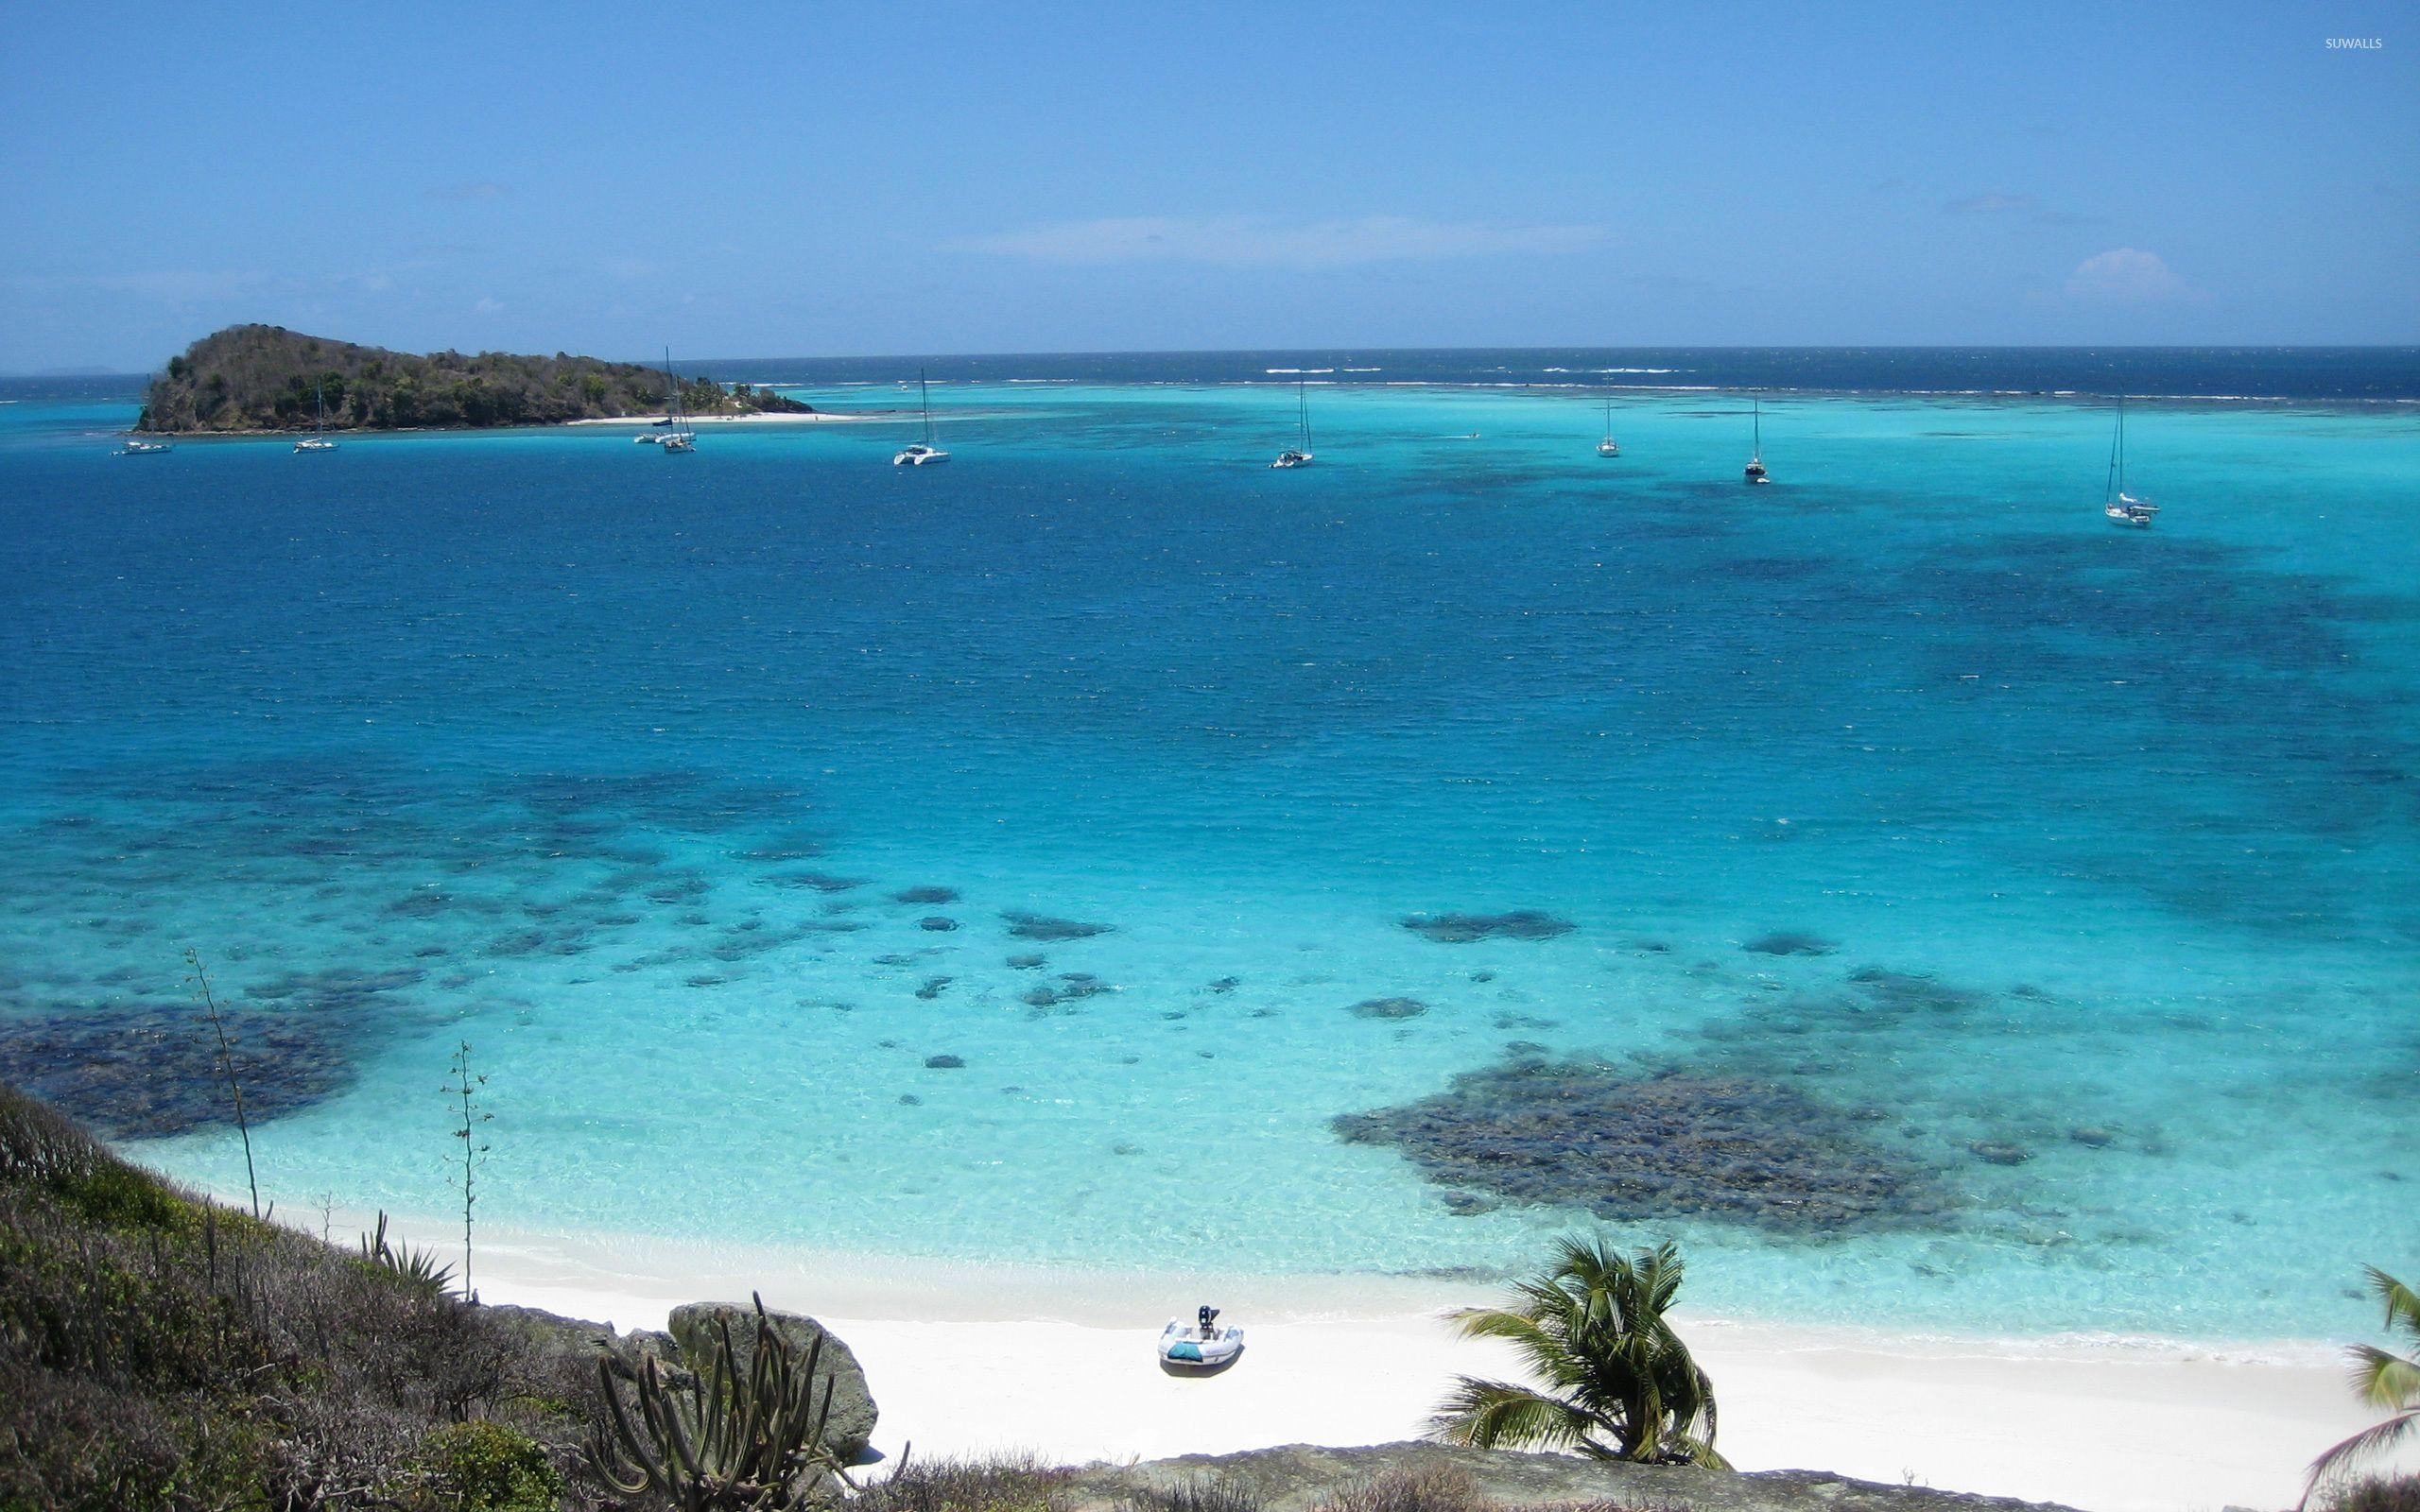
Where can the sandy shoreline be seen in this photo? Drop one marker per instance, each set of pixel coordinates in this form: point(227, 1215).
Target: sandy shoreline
point(966, 1358)
point(760, 418)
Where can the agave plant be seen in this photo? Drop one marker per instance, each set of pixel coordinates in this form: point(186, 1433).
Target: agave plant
point(418, 1268)
point(716, 1441)
point(1620, 1382)
point(2380, 1379)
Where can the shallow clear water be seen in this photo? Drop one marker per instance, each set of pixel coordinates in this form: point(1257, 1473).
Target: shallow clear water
point(612, 762)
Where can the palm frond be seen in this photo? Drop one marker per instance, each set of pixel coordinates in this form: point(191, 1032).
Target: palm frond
point(1697, 1451)
point(2384, 1380)
point(2402, 1303)
point(1496, 1414)
point(2371, 1442)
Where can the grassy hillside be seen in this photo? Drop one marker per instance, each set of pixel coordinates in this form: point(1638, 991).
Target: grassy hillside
point(263, 377)
point(159, 1353)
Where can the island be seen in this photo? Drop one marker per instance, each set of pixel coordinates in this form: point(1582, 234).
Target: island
point(264, 378)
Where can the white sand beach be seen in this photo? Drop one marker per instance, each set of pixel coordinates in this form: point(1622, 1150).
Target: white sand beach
point(966, 1359)
point(762, 418)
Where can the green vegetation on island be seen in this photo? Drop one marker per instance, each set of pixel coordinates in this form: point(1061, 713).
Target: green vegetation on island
point(267, 378)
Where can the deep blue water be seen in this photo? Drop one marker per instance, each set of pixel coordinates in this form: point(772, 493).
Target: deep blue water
point(2067, 876)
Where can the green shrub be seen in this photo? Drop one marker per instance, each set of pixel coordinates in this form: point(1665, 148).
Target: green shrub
point(485, 1466)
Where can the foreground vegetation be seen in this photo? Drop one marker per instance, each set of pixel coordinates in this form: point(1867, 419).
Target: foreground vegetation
point(157, 1352)
point(1620, 1385)
point(2390, 1381)
point(267, 378)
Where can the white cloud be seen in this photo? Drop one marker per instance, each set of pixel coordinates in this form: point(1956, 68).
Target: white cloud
point(1245, 241)
point(487, 306)
point(2127, 275)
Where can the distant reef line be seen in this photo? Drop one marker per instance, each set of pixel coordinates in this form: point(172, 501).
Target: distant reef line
point(264, 379)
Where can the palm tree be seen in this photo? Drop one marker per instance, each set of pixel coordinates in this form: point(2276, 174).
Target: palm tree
point(2381, 1380)
point(1620, 1382)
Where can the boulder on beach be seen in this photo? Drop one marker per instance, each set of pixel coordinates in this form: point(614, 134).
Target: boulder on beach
point(695, 1328)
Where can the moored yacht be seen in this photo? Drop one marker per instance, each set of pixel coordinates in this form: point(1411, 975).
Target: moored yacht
point(137, 446)
point(1609, 447)
point(1298, 456)
point(2116, 505)
point(318, 440)
point(678, 437)
point(920, 453)
point(1755, 469)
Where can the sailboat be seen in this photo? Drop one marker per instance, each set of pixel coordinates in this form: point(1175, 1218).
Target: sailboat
point(918, 453)
point(318, 440)
point(1755, 470)
point(680, 437)
point(2119, 506)
point(137, 446)
point(1609, 447)
point(1297, 455)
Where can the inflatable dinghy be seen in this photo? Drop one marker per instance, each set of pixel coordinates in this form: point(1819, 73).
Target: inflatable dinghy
point(1200, 1344)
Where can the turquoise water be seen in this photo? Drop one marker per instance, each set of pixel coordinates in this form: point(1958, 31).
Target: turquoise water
point(614, 765)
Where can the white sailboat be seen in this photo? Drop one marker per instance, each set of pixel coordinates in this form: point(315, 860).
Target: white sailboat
point(1609, 447)
point(920, 452)
point(317, 440)
point(137, 446)
point(679, 438)
point(2116, 505)
point(1298, 456)
point(1756, 469)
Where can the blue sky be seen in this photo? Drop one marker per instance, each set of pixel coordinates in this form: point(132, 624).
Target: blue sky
point(788, 180)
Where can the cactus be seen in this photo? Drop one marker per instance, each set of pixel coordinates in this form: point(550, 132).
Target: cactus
point(716, 1443)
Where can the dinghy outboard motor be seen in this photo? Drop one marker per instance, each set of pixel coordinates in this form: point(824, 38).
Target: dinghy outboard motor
point(1202, 1346)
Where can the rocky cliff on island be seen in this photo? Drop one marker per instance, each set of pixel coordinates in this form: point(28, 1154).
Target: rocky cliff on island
point(252, 378)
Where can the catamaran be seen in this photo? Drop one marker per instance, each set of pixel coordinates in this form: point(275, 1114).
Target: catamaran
point(318, 440)
point(920, 453)
point(1609, 447)
point(1297, 455)
point(2119, 506)
point(1756, 471)
point(680, 437)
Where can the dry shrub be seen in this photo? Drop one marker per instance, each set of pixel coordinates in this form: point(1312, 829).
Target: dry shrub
point(2379, 1493)
point(999, 1483)
point(1433, 1488)
point(1209, 1494)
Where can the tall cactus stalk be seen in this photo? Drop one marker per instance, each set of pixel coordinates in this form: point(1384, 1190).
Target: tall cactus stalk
point(716, 1443)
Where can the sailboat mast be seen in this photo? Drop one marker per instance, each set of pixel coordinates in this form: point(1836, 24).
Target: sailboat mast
point(1757, 430)
point(1303, 393)
point(925, 392)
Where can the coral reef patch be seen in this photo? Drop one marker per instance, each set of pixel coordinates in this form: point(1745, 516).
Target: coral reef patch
point(1632, 1144)
point(1464, 929)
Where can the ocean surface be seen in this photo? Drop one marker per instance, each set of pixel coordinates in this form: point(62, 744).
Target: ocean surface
point(1935, 907)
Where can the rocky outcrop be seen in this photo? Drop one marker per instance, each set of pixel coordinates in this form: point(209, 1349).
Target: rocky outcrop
point(1303, 1476)
point(690, 1343)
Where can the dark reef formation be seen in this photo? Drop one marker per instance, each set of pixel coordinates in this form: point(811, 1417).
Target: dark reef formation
point(1464, 929)
point(1631, 1146)
point(1043, 927)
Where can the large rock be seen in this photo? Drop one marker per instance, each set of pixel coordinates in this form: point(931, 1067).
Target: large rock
point(1302, 1476)
point(695, 1332)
